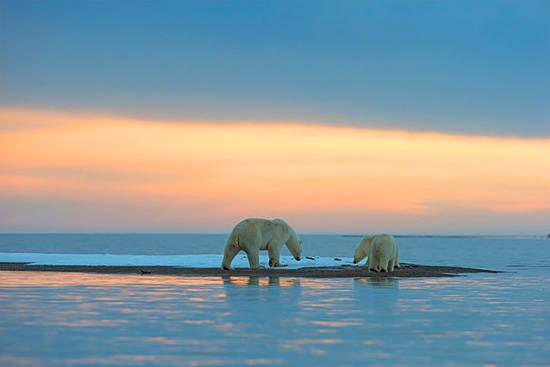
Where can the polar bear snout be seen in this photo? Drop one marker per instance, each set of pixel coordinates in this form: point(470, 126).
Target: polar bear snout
point(298, 258)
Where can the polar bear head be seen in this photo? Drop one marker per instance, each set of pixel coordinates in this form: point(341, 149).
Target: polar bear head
point(362, 249)
point(295, 247)
point(294, 244)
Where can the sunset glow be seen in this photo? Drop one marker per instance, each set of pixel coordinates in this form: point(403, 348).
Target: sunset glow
point(187, 174)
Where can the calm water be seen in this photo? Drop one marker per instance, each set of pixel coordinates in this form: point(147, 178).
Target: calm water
point(59, 319)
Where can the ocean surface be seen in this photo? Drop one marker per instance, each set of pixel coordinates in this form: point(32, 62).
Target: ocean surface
point(71, 319)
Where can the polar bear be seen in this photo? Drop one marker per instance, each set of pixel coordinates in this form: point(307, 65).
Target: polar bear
point(382, 252)
point(254, 234)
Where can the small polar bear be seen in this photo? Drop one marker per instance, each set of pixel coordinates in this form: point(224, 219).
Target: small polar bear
point(254, 234)
point(381, 250)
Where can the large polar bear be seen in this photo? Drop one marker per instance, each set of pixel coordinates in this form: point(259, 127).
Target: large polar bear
point(382, 252)
point(255, 234)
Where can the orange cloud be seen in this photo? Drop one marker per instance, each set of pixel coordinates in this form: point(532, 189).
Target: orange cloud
point(240, 169)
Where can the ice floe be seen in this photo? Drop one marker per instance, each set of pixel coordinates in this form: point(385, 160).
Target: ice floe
point(191, 261)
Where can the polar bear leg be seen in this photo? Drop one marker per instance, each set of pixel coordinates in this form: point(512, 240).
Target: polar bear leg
point(384, 264)
point(392, 264)
point(373, 266)
point(397, 265)
point(229, 254)
point(274, 255)
point(254, 258)
point(379, 265)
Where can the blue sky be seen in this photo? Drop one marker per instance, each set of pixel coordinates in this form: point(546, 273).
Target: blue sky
point(78, 77)
point(472, 67)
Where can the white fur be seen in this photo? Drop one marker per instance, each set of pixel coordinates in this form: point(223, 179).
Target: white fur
point(381, 250)
point(255, 234)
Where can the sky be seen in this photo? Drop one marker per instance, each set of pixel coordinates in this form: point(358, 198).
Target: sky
point(354, 116)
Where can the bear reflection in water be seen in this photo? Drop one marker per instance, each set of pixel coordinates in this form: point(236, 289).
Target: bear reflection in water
point(262, 281)
point(276, 281)
point(377, 282)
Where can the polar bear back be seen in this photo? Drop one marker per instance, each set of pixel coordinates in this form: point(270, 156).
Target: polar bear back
point(261, 231)
point(382, 246)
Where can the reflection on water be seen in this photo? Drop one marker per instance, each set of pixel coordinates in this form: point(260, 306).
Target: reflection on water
point(262, 281)
point(31, 278)
point(58, 319)
point(378, 282)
